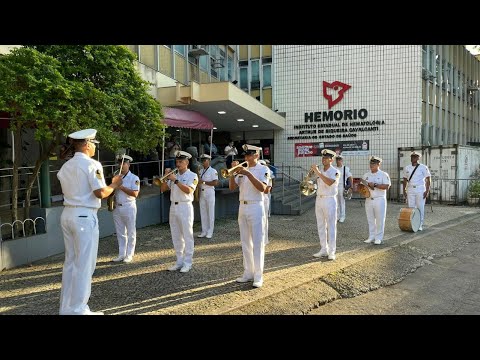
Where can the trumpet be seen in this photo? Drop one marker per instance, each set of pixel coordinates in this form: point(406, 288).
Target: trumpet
point(307, 186)
point(226, 173)
point(160, 181)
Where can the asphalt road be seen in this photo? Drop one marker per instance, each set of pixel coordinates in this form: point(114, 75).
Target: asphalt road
point(447, 285)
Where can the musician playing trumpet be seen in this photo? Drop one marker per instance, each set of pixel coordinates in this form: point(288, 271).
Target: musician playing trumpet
point(182, 186)
point(326, 205)
point(125, 212)
point(251, 182)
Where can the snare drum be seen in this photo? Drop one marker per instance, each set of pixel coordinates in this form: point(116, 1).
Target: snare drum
point(409, 219)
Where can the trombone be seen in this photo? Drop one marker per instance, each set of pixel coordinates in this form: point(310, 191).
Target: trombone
point(227, 173)
point(160, 181)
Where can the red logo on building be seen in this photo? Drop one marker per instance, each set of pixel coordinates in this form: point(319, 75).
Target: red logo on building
point(334, 92)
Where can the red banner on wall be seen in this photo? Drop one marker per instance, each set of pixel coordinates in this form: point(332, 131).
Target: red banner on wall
point(352, 147)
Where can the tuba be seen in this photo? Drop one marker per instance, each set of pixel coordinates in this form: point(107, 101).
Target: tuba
point(307, 186)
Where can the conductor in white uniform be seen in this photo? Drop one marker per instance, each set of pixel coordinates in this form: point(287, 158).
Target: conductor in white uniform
point(125, 212)
point(181, 188)
point(207, 182)
point(83, 187)
point(251, 182)
point(326, 205)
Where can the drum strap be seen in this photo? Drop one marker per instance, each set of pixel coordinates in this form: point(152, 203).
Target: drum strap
point(413, 172)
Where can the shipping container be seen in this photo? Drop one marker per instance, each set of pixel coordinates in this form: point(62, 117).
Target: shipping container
point(451, 166)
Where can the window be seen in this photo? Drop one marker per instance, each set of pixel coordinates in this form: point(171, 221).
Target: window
point(267, 75)
point(180, 49)
point(204, 63)
point(255, 71)
point(230, 68)
point(244, 78)
point(424, 57)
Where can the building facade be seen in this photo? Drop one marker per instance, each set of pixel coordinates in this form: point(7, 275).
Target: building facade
point(365, 100)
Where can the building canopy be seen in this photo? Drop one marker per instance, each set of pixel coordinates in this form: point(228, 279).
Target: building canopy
point(186, 119)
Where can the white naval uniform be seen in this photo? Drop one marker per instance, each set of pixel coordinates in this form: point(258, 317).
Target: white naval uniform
point(345, 173)
point(79, 177)
point(125, 216)
point(181, 217)
point(251, 221)
point(326, 211)
point(267, 199)
point(416, 187)
point(207, 200)
point(376, 204)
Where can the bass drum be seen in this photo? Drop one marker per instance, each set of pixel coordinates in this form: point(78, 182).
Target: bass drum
point(409, 219)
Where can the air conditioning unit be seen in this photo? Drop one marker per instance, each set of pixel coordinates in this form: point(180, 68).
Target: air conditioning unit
point(218, 63)
point(427, 75)
point(198, 50)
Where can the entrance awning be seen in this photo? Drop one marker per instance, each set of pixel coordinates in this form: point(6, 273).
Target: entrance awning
point(186, 119)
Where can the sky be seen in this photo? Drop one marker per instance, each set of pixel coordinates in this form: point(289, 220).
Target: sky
point(469, 48)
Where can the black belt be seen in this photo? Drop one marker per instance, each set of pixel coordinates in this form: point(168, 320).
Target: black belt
point(181, 202)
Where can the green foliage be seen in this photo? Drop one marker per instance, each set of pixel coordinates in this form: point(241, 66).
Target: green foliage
point(474, 189)
point(474, 186)
point(64, 88)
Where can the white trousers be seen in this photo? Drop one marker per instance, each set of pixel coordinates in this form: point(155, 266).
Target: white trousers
point(376, 210)
point(207, 210)
point(80, 236)
point(415, 199)
point(326, 214)
point(181, 228)
point(266, 204)
point(340, 204)
point(125, 218)
point(251, 220)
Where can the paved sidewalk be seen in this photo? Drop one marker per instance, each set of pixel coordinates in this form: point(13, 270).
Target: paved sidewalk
point(145, 287)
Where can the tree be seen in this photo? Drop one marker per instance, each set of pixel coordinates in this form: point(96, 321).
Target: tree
point(56, 90)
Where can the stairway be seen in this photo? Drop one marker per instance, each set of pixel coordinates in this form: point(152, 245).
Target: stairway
point(287, 199)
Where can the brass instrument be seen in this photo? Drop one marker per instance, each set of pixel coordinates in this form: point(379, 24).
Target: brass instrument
point(363, 188)
point(347, 194)
point(196, 193)
point(227, 173)
point(160, 181)
point(307, 186)
point(111, 202)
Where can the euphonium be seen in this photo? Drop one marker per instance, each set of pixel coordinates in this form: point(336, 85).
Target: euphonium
point(226, 173)
point(159, 181)
point(307, 186)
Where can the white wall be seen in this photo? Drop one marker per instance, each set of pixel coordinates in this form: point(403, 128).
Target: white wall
point(384, 80)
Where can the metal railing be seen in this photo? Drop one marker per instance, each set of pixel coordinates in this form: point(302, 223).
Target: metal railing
point(13, 224)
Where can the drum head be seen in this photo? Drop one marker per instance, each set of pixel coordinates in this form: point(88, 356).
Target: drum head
point(415, 220)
